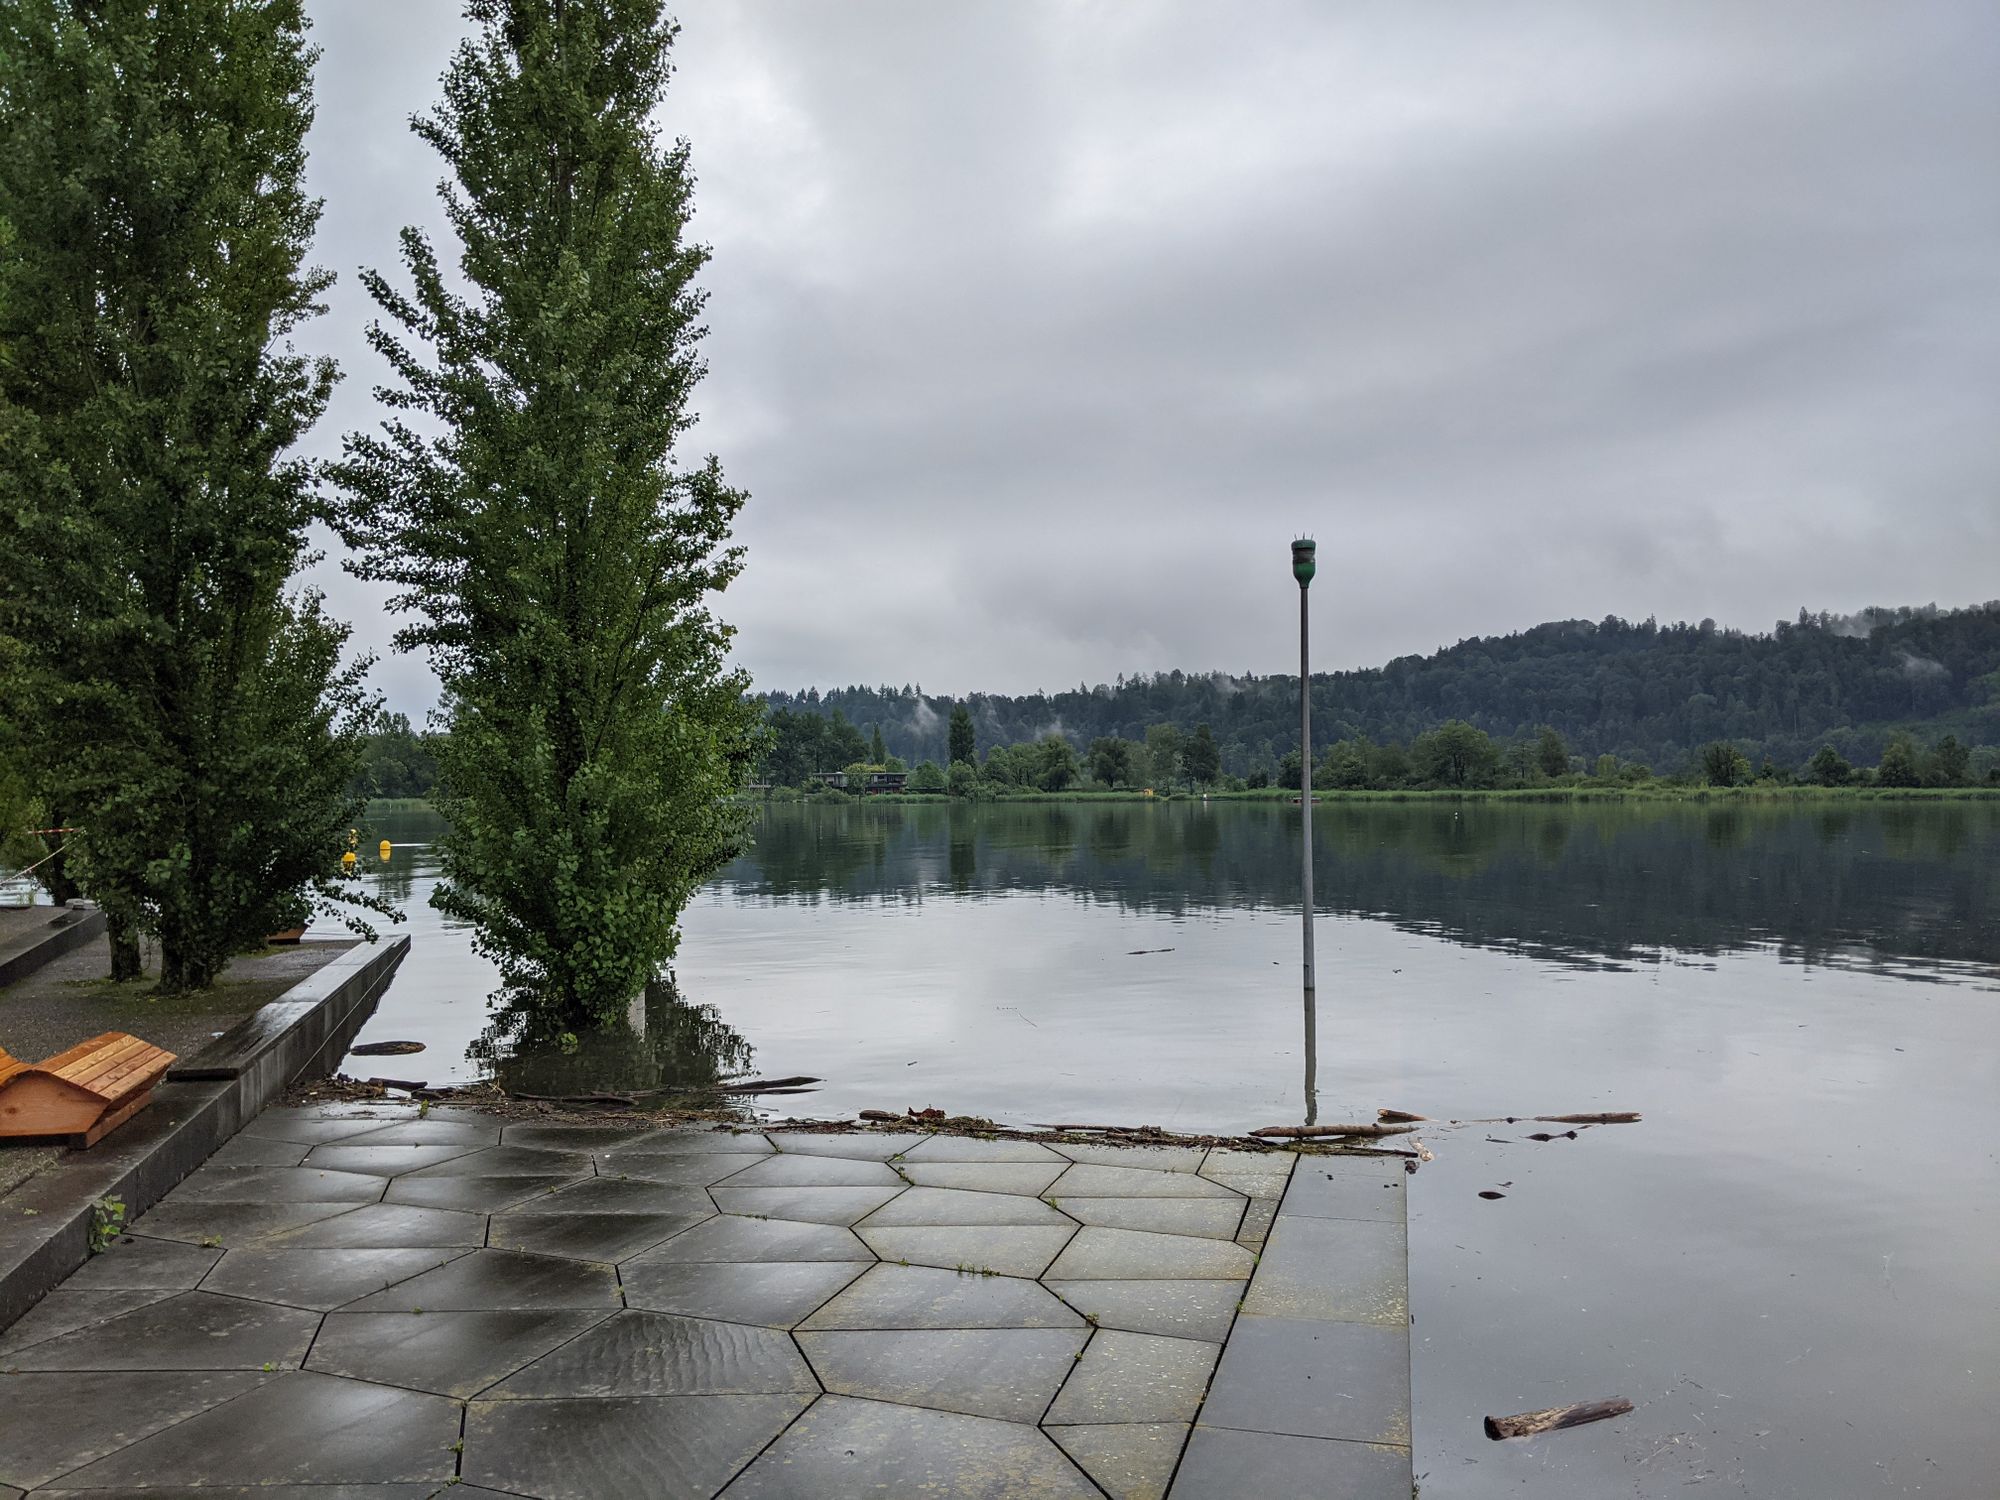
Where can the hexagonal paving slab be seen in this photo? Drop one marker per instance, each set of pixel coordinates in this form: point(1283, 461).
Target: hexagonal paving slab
point(187, 1331)
point(846, 1446)
point(734, 1237)
point(613, 1448)
point(661, 1354)
point(1002, 1249)
point(1132, 1254)
point(774, 1294)
point(925, 1297)
point(1011, 1373)
point(449, 1353)
point(497, 1279)
point(297, 1428)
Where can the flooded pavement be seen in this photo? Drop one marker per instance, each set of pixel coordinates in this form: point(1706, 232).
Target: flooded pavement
point(1787, 1265)
point(367, 1296)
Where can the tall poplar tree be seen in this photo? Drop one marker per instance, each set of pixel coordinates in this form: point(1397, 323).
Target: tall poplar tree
point(195, 720)
point(558, 555)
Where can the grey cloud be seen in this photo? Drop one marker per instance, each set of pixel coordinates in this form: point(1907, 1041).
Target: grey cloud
point(1037, 330)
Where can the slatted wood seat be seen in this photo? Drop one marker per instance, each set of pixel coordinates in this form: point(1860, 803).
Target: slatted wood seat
point(92, 1088)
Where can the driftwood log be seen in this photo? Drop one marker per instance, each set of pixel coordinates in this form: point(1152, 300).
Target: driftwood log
point(1528, 1423)
point(1398, 1115)
point(1620, 1117)
point(385, 1049)
point(1313, 1132)
point(762, 1086)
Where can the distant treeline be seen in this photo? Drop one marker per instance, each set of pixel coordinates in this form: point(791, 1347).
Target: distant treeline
point(1653, 698)
point(396, 761)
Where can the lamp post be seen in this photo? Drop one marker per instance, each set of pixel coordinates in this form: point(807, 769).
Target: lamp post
point(1302, 569)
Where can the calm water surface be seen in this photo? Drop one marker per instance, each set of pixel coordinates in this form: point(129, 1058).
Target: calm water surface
point(1791, 1265)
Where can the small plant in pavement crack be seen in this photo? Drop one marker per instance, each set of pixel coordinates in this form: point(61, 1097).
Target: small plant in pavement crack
point(107, 1222)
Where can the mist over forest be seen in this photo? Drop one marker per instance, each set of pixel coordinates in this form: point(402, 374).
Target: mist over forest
point(1644, 692)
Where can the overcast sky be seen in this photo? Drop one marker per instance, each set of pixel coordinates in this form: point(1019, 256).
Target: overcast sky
point(1038, 330)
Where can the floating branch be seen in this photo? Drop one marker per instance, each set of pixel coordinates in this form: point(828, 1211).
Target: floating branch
point(760, 1086)
point(1528, 1423)
point(1314, 1132)
point(1629, 1117)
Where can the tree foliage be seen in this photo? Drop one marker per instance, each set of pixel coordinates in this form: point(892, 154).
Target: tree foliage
point(1829, 767)
point(1899, 763)
point(962, 744)
point(196, 722)
point(1201, 758)
point(535, 515)
point(1722, 764)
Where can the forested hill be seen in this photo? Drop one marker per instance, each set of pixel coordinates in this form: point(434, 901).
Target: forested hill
point(1644, 692)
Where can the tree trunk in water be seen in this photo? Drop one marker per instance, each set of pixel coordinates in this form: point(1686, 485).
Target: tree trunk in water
point(126, 963)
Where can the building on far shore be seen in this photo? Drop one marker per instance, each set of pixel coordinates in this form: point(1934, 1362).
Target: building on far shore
point(868, 786)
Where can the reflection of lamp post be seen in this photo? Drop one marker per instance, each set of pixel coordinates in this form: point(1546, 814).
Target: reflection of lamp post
point(1302, 569)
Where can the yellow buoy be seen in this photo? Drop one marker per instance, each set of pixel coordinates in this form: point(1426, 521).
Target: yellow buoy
point(354, 838)
point(384, 851)
point(347, 862)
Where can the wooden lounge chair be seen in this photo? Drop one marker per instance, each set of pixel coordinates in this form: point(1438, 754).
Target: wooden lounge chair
point(92, 1088)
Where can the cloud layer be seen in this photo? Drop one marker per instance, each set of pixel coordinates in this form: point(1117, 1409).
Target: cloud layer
point(1038, 330)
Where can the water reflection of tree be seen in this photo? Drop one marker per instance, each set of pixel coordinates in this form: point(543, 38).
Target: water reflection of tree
point(677, 1045)
point(1590, 883)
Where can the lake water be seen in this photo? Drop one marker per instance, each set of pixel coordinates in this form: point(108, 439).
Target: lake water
point(1791, 1265)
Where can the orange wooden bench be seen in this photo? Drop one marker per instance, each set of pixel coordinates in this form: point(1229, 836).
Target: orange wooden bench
point(92, 1088)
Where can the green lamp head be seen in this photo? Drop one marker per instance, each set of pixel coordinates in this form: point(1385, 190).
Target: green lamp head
point(1302, 560)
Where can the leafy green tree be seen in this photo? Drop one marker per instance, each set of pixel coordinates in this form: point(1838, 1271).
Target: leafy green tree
point(1830, 768)
point(1606, 767)
point(1163, 754)
point(1110, 760)
point(541, 520)
point(1291, 771)
point(1949, 763)
point(20, 810)
point(1055, 765)
point(1202, 757)
point(1345, 767)
point(1722, 764)
point(961, 778)
point(928, 777)
point(191, 717)
point(1388, 765)
point(961, 745)
point(1899, 765)
point(1551, 752)
point(1455, 754)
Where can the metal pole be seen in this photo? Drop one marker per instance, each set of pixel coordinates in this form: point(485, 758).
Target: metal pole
point(1303, 550)
point(1306, 781)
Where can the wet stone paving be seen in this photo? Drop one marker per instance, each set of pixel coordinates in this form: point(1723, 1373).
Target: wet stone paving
point(351, 1301)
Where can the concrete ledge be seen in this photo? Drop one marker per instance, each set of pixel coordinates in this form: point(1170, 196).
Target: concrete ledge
point(45, 1228)
point(68, 928)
